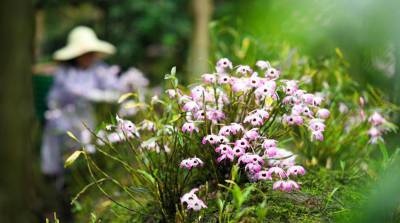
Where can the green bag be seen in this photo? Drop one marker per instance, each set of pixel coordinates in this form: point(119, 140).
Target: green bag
point(41, 88)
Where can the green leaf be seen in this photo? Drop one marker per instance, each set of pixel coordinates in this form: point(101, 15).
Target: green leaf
point(330, 196)
point(71, 159)
point(261, 211)
point(383, 149)
point(223, 186)
point(173, 71)
point(339, 53)
point(220, 204)
point(124, 97)
point(93, 217)
point(149, 141)
point(100, 127)
point(72, 136)
point(342, 165)
point(76, 206)
point(180, 140)
point(246, 192)
point(230, 181)
point(112, 119)
point(234, 172)
point(147, 176)
point(237, 196)
point(175, 118)
point(134, 105)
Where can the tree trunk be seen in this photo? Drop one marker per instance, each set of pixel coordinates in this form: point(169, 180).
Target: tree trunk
point(16, 119)
point(200, 44)
point(39, 34)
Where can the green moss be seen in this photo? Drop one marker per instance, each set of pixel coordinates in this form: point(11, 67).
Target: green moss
point(325, 196)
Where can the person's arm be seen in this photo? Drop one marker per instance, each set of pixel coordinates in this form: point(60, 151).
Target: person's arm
point(107, 87)
point(107, 77)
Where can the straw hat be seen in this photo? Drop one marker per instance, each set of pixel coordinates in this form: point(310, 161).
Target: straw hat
point(83, 40)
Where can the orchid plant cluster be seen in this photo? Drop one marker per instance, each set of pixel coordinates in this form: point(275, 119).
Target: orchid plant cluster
point(232, 110)
point(181, 147)
point(378, 125)
point(239, 118)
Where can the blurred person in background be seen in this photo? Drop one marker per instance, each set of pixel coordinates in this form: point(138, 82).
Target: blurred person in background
point(80, 80)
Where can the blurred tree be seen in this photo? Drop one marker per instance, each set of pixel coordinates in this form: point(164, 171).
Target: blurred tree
point(151, 34)
point(200, 42)
point(16, 119)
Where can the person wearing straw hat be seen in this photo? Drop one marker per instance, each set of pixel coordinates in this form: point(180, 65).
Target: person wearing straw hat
point(81, 79)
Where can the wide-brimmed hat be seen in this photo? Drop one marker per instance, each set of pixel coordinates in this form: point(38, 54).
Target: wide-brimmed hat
point(83, 40)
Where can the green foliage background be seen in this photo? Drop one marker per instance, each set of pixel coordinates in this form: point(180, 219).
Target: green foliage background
point(151, 35)
point(155, 34)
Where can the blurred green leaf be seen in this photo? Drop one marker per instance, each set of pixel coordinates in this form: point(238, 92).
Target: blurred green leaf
point(72, 136)
point(71, 159)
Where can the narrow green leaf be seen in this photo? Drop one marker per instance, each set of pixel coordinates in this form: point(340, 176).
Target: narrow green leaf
point(339, 53)
point(173, 70)
point(383, 149)
point(149, 141)
point(71, 159)
point(230, 181)
point(134, 105)
point(220, 204)
point(72, 136)
point(234, 172)
point(329, 198)
point(175, 118)
point(147, 176)
point(223, 186)
point(124, 97)
point(261, 211)
point(246, 192)
point(342, 165)
point(237, 196)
